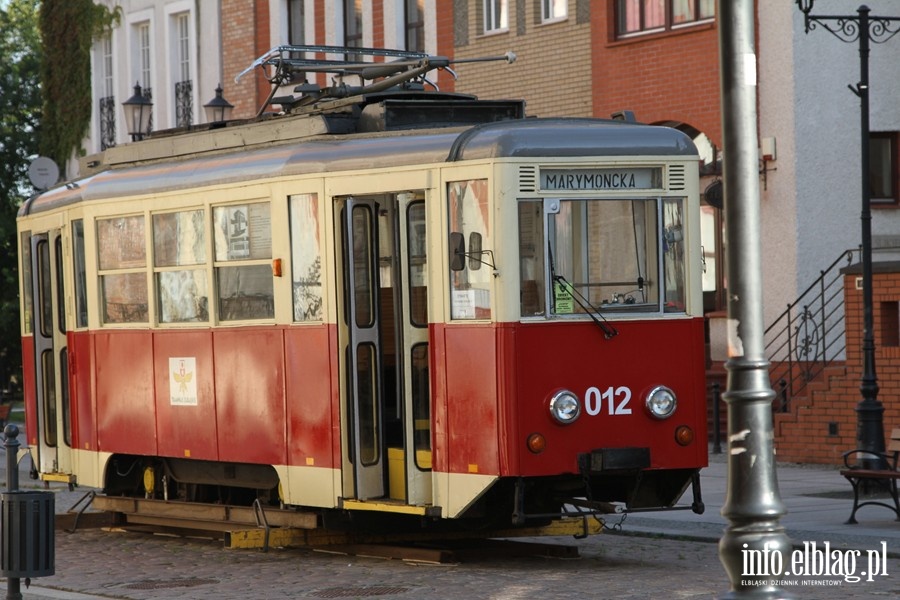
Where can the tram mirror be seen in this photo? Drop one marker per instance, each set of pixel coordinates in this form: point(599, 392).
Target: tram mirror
point(475, 251)
point(457, 251)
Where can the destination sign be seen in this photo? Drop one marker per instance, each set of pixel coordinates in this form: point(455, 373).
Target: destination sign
point(601, 179)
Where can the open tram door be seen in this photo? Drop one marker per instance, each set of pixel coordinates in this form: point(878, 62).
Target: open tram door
point(383, 342)
point(51, 356)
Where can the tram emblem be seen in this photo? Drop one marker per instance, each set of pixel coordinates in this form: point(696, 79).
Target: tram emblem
point(182, 383)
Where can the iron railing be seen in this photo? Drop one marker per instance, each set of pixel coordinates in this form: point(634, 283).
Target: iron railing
point(107, 122)
point(184, 105)
point(809, 335)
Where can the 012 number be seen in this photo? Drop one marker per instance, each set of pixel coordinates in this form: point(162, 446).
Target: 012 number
point(614, 399)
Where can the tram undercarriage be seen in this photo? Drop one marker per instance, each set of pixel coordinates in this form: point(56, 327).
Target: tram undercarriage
point(511, 502)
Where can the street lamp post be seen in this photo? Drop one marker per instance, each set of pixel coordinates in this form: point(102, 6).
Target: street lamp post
point(862, 28)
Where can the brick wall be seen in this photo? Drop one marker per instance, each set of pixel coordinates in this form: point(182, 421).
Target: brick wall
point(238, 51)
point(552, 72)
point(803, 435)
point(669, 77)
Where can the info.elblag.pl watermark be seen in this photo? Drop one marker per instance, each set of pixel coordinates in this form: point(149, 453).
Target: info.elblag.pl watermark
point(812, 565)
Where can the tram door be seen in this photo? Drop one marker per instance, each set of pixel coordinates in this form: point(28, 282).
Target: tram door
point(384, 341)
point(51, 352)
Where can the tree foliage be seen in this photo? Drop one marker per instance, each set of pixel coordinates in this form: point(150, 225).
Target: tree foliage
point(20, 115)
point(68, 29)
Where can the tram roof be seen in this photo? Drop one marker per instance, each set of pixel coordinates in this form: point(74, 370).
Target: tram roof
point(327, 153)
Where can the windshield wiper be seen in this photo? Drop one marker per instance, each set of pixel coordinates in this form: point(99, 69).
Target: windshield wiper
point(593, 312)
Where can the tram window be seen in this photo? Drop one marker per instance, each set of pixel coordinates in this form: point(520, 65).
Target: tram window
point(179, 240)
point(123, 260)
point(673, 255)
point(418, 263)
point(80, 273)
point(605, 251)
point(470, 288)
point(243, 246)
point(531, 259)
point(60, 287)
point(306, 257)
point(421, 405)
point(27, 283)
point(44, 291)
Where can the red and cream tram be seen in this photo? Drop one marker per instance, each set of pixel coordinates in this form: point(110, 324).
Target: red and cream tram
point(416, 303)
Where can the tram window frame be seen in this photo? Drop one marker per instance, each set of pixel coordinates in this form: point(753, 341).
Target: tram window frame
point(27, 284)
point(307, 293)
point(122, 262)
point(656, 246)
point(417, 266)
point(180, 271)
point(471, 294)
point(79, 261)
point(240, 260)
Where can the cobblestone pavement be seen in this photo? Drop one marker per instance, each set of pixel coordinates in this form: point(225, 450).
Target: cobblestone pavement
point(141, 566)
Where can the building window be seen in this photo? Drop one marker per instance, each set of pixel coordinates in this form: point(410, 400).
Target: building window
point(496, 15)
point(883, 167)
point(553, 10)
point(107, 96)
point(184, 109)
point(353, 34)
point(414, 23)
point(144, 78)
point(644, 16)
point(296, 22)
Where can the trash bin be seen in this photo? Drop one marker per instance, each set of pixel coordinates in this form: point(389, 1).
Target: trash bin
point(27, 540)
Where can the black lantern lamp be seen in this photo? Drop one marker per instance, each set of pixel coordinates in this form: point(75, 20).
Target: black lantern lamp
point(137, 114)
point(218, 110)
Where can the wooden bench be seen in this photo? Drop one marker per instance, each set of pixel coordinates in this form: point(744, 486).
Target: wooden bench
point(859, 474)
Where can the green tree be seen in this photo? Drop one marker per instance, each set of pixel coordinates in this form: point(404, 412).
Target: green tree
point(68, 29)
point(20, 115)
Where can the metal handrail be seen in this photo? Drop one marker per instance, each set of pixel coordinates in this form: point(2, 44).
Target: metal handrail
point(808, 335)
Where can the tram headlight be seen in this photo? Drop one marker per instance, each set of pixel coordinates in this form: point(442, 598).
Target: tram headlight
point(661, 402)
point(565, 407)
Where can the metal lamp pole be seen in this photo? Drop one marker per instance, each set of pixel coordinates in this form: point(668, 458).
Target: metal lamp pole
point(753, 505)
point(862, 28)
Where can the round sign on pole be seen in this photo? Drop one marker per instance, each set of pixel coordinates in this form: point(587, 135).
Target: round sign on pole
point(43, 172)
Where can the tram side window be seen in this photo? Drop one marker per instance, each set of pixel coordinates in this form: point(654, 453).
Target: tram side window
point(532, 288)
point(80, 273)
point(673, 255)
point(470, 277)
point(606, 252)
point(243, 244)
point(306, 257)
point(123, 264)
point(179, 261)
point(27, 284)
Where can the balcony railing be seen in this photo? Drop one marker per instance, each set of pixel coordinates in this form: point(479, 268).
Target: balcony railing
point(184, 104)
point(107, 122)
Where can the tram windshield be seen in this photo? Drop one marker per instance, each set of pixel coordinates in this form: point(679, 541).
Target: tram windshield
point(617, 255)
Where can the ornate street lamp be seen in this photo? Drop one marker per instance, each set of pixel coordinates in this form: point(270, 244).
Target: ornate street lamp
point(137, 114)
point(218, 110)
point(862, 28)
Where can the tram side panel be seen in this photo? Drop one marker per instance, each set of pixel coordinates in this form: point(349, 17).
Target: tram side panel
point(186, 411)
point(313, 410)
point(126, 405)
point(81, 382)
